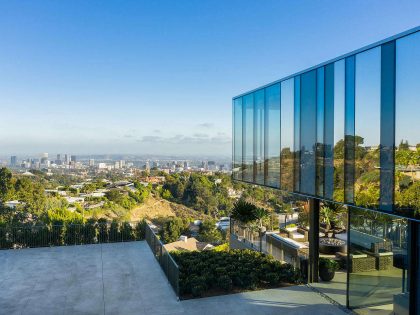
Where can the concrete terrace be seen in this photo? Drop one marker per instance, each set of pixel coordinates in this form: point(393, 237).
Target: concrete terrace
point(124, 278)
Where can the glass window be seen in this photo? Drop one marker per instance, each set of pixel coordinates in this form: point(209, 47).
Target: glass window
point(349, 131)
point(287, 134)
point(296, 167)
point(237, 138)
point(259, 136)
point(367, 127)
point(329, 132)
point(308, 132)
point(339, 94)
point(378, 263)
point(320, 112)
point(248, 137)
point(407, 130)
point(272, 135)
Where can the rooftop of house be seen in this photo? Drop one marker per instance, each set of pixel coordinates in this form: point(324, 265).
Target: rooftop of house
point(188, 244)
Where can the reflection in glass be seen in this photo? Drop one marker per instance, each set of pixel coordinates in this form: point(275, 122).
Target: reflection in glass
point(308, 132)
point(287, 134)
point(333, 223)
point(237, 138)
point(339, 95)
point(407, 131)
point(296, 165)
point(349, 131)
point(248, 140)
point(272, 135)
point(367, 127)
point(320, 112)
point(378, 263)
point(259, 136)
point(329, 132)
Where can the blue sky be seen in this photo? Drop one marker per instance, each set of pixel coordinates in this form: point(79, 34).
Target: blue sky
point(158, 76)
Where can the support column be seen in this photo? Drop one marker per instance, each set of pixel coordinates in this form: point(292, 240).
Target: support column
point(414, 265)
point(313, 240)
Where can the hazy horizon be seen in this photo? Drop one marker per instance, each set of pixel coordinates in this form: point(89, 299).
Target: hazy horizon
point(158, 77)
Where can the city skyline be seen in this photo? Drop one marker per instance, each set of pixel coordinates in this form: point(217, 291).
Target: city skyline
point(147, 78)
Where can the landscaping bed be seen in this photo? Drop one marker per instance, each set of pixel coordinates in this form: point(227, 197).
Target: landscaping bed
point(210, 273)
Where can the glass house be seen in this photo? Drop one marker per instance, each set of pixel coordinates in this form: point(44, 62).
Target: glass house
point(345, 136)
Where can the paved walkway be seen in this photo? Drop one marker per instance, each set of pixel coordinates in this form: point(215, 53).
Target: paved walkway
point(123, 278)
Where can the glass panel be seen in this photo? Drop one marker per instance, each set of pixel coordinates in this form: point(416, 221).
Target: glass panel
point(333, 224)
point(386, 149)
point(248, 134)
point(296, 167)
point(378, 263)
point(367, 127)
point(320, 112)
point(308, 132)
point(259, 136)
point(407, 129)
point(329, 132)
point(349, 131)
point(237, 139)
point(339, 82)
point(272, 135)
point(287, 134)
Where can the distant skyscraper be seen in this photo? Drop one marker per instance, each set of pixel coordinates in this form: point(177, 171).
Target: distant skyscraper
point(73, 158)
point(91, 162)
point(186, 164)
point(66, 159)
point(13, 160)
point(58, 157)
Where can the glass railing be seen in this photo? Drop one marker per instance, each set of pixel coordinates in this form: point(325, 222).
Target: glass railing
point(29, 236)
point(166, 261)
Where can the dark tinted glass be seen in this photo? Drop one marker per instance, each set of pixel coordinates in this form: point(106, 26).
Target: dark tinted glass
point(259, 136)
point(367, 127)
point(248, 137)
point(339, 96)
point(320, 112)
point(272, 135)
point(287, 134)
point(308, 117)
point(296, 164)
point(407, 128)
point(237, 139)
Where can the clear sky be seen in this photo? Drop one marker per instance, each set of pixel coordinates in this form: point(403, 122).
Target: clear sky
point(157, 77)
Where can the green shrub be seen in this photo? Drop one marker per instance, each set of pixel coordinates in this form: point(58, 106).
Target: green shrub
point(224, 282)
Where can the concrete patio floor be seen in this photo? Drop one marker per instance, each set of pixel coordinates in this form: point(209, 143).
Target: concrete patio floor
point(124, 278)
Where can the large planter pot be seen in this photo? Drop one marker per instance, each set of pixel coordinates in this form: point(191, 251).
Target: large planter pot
point(326, 274)
point(331, 246)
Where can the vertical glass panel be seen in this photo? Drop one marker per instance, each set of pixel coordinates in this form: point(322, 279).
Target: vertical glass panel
point(287, 134)
point(333, 226)
point(387, 147)
point(349, 131)
point(367, 127)
point(320, 112)
point(407, 128)
point(339, 83)
point(378, 263)
point(308, 132)
point(296, 168)
point(329, 132)
point(259, 136)
point(248, 137)
point(237, 138)
point(272, 135)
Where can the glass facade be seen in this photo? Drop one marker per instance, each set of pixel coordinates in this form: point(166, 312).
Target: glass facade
point(345, 131)
point(345, 135)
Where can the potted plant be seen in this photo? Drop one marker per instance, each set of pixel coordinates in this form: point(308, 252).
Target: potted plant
point(327, 268)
